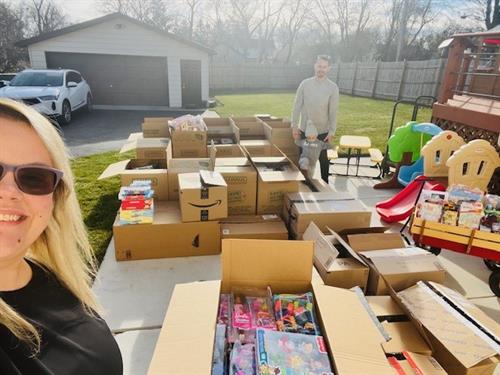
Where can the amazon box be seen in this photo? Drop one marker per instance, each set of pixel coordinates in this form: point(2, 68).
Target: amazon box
point(391, 262)
point(263, 227)
point(352, 341)
point(337, 264)
point(166, 237)
point(147, 148)
point(277, 176)
point(202, 196)
point(333, 210)
point(279, 133)
point(141, 169)
point(226, 156)
point(221, 131)
point(464, 339)
point(156, 127)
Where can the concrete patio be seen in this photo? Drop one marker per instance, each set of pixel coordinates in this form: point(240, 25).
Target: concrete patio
point(135, 295)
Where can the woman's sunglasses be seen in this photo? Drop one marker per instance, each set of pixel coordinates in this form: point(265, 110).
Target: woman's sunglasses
point(33, 179)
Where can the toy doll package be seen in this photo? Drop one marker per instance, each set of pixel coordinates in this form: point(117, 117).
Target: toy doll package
point(295, 313)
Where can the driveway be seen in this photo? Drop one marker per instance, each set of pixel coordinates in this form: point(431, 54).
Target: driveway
point(106, 130)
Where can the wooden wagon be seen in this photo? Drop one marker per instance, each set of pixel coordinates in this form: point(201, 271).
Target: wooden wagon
point(474, 242)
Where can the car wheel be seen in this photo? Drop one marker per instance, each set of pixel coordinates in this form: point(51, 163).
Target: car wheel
point(90, 105)
point(65, 117)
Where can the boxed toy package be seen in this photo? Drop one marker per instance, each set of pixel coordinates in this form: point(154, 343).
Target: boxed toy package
point(137, 206)
point(295, 313)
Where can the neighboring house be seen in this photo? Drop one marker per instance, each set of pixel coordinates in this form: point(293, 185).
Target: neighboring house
point(248, 51)
point(127, 63)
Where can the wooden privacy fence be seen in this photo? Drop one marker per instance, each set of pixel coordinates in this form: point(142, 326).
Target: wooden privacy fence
point(405, 80)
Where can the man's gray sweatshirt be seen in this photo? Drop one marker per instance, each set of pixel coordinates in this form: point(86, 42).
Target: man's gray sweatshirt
point(316, 100)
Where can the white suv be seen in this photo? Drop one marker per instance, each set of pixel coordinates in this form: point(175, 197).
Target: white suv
point(52, 92)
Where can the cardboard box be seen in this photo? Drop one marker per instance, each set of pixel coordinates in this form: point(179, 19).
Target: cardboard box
point(156, 127)
point(202, 196)
point(464, 338)
point(336, 211)
point(279, 133)
point(385, 308)
point(221, 130)
point(226, 156)
point(353, 348)
point(189, 144)
point(128, 173)
point(167, 237)
point(257, 147)
point(264, 227)
point(346, 271)
point(404, 337)
point(412, 363)
point(147, 148)
point(248, 128)
point(277, 176)
point(401, 267)
point(241, 189)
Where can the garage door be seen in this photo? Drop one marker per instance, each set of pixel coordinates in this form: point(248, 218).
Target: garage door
point(118, 79)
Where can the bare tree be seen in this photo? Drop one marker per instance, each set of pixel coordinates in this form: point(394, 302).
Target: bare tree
point(485, 11)
point(297, 11)
point(12, 58)
point(153, 12)
point(43, 16)
point(325, 19)
point(192, 7)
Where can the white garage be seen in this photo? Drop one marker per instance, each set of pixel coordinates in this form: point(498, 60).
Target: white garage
point(128, 64)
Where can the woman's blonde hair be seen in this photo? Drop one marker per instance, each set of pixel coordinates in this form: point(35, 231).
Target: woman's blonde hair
point(63, 247)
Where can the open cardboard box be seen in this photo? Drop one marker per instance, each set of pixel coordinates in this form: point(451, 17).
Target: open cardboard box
point(334, 210)
point(279, 133)
point(156, 127)
point(388, 256)
point(189, 144)
point(202, 196)
point(347, 271)
point(277, 176)
point(241, 188)
point(464, 340)
point(285, 266)
point(226, 156)
point(248, 128)
point(147, 148)
point(167, 237)
point(412, 363)
point(128, 173)
point(221, 130)
point(264, 227)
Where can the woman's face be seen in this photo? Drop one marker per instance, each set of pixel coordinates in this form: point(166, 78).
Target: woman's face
point(23, 217)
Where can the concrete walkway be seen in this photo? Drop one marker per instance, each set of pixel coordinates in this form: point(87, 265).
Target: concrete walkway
point(135, 295)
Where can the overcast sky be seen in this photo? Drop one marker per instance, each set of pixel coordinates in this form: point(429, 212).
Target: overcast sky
point(82, 10)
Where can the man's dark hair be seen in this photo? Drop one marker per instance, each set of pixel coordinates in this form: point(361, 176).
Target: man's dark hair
point(326, 58)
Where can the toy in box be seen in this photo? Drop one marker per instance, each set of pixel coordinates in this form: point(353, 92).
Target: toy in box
point(295, 313)
point(219, 356)
point(224, 314)
point(242, 360)
point(291, 353)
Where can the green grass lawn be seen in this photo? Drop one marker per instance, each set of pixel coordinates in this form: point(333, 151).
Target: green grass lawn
point(98, 199)
point(356, 116)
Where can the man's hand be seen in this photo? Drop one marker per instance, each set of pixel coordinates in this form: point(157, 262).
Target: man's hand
point(296, 134)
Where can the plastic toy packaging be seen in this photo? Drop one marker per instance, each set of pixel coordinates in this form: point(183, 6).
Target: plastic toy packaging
point(291, 353)
point(491, 203)
point(219, 356)
point(470, 214)
point(450, 214)
point(251, 309)
point(188, 123)
point(295, 313)
point(224, 315)
point(430, 205)
point(242, 360)
point(462, 193)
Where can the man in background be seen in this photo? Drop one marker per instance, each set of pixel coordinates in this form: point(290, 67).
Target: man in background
point(317, 101)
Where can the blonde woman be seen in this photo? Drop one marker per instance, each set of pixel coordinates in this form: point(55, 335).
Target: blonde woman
point(48, 319)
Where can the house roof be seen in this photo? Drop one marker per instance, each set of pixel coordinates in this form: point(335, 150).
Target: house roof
point(491, 32)
point(106, 18)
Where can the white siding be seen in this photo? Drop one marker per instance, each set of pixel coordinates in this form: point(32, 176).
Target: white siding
point(131, 39)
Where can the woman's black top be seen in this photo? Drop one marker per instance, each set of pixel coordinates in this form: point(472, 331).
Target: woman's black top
point(73, 342)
